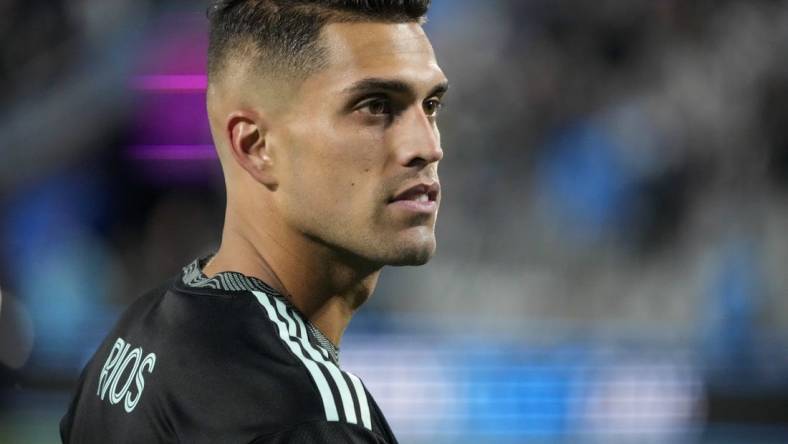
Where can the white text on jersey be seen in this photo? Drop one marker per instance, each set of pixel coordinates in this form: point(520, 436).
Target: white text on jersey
point(110, 379)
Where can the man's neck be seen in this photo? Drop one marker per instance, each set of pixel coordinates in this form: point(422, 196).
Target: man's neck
point(326, 289)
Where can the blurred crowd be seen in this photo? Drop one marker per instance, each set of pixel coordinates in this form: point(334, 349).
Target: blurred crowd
point(614, 170)
point(616, 164)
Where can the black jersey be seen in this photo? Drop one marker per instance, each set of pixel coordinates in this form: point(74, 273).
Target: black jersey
point(219, 360)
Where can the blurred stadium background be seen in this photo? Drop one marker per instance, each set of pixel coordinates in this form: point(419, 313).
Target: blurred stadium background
point(613, 238)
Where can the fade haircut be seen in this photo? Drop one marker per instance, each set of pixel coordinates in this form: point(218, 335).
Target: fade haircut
point(281, 37)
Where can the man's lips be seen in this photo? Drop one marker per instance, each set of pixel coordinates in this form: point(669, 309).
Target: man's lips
point(420, 198)
point(420, 192)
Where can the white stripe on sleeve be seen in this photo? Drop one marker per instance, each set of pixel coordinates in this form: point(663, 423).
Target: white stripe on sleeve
point(333, 370)
point(362, 399)
point(322, 385)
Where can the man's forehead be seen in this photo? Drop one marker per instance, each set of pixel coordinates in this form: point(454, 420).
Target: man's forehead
point(380, 50)
point(362, 40)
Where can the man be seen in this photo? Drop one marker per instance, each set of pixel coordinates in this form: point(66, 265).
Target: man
point(324, 114)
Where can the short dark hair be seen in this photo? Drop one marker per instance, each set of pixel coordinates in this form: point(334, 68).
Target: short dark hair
point(283, 34)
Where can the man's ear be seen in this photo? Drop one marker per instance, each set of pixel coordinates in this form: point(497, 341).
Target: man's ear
point(249, 146)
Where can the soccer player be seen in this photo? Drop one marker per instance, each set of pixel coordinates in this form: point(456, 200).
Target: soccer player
point(323, 113)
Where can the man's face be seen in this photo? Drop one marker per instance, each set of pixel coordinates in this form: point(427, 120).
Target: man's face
point(358, 137)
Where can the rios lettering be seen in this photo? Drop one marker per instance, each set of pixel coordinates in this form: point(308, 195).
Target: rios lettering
point(122, 368)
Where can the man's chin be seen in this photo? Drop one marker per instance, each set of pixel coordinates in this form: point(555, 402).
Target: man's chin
point(412, 254)
point(411, 261)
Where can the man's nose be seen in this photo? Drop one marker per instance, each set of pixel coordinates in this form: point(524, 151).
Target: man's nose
point(421, 144)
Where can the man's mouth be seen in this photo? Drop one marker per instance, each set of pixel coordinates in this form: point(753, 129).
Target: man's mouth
point(420, 198)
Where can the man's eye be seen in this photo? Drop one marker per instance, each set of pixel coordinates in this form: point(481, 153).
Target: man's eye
point(378, 107)
point(432, 106)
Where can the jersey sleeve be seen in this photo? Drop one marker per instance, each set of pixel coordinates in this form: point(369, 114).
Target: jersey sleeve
point(323, 432)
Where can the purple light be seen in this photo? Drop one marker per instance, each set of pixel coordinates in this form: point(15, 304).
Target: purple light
point(174, 82)
point(170, 118)
point(172, 152)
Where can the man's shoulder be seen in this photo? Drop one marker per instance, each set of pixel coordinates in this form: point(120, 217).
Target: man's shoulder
point(209, 346)
point(188, 323)
point(212, 357)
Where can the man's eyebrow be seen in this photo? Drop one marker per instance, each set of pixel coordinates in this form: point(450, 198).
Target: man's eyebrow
point(371, 85)
point(439, 89)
